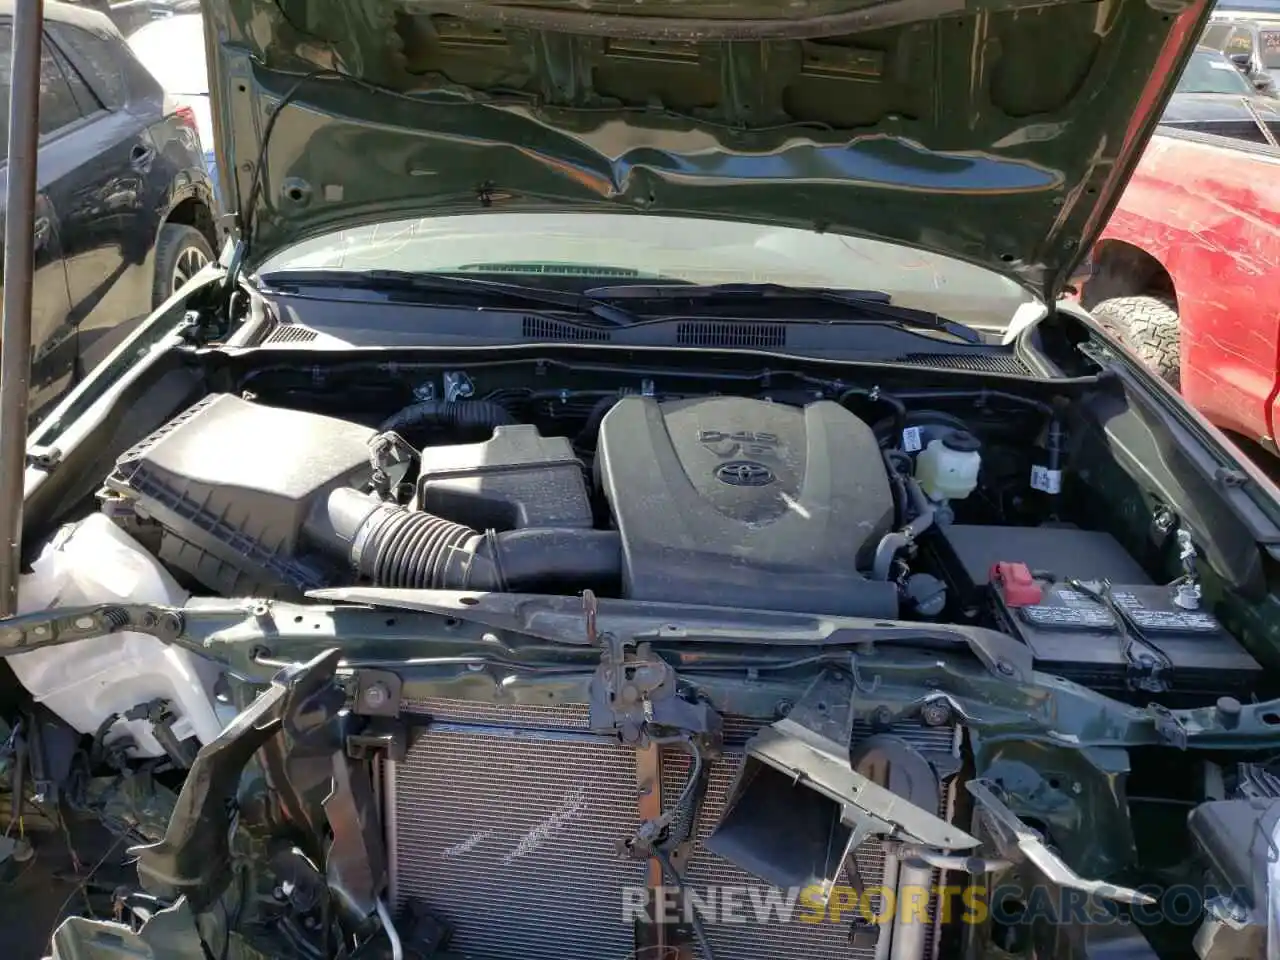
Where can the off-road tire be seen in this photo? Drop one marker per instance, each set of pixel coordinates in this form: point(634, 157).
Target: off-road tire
point(178, 242)
point(1149, 327)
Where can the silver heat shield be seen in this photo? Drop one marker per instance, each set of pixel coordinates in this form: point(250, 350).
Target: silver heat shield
point(505, 821)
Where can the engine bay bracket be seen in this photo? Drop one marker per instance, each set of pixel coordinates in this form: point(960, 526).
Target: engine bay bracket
point(571, 621)
point(376, 693)
point(47, 628)
point(356, 861)
point(1019, 843)
point(194, 858)
point(1170, 728)
point(634, 692)
point(799, 791)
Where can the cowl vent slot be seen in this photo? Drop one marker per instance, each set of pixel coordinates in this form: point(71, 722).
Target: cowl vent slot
point(540, 328)
point(1005, 363)
point(713, 333)
point(292, 333)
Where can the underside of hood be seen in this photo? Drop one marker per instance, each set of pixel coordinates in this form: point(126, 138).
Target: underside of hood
point(999, 132)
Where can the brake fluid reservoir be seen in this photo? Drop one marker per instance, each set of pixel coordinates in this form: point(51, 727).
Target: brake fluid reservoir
point(947, 469)
point(87, 681)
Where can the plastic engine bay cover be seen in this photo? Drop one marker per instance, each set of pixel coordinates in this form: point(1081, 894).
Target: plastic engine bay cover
point(740, 502)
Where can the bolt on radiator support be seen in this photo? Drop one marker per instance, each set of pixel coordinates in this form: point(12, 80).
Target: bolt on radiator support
point(388, 801)
point(649, 808)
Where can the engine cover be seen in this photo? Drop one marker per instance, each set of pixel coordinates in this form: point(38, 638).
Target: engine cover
point(738, 502)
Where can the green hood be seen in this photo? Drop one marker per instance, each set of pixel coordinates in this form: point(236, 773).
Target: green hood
point(997, 131)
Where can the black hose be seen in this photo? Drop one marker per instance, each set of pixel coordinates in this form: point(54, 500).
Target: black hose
point(896, 540)
point(875, 395)
point(467, 417)
point(392, 546)
point(586, 439)
point(890, 432)
point(897, 469)
point(405, 549)
point(1055, 441)
point(553, 555)
point(699, 929)
point(977, 396)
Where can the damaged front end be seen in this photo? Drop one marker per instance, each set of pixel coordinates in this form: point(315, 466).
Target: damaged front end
point(686, 600)
point(593, 784)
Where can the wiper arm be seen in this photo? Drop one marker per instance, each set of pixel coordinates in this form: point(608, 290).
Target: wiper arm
point(867, 302)
point(485, 291)
point(1266, 130)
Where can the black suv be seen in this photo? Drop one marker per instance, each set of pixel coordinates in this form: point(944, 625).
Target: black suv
point(124, 211)
point(1212, 96)
point(1252, 41)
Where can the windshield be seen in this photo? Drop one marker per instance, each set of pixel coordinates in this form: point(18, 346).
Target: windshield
point(1210, 72)
point(615, 247)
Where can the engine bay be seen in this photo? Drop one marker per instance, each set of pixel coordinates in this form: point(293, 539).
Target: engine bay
point(728, 501)
point(887, 658)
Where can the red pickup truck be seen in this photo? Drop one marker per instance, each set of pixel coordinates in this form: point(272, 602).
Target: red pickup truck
point(1187, 272)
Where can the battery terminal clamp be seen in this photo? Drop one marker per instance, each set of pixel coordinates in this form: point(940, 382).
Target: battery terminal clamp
point(1017, 583)
point(1149, 666)
point(1186, 589)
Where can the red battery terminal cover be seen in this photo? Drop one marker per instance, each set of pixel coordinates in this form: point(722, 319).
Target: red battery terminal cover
point(1016, 582)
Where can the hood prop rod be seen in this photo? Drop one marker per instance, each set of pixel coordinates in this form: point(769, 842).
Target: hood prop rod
point(20, 232)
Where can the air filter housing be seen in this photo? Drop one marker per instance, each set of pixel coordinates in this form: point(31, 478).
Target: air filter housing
point(231, 483)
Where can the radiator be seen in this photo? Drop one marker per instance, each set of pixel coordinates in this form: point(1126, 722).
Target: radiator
point(505, 822)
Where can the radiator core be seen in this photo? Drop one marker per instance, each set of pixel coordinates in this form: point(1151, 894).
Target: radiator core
point(505, 822)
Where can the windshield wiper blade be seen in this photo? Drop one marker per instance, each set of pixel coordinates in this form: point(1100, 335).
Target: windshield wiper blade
point(871, 303)
point(471, 287)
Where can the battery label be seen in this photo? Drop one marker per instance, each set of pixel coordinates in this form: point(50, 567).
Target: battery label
point(1074, 598)
point(1174, 620)
point(1170, 619)
point(1081, 618)
point(1068, 608)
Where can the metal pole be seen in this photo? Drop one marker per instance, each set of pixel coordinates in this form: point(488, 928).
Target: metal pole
point(19, 263)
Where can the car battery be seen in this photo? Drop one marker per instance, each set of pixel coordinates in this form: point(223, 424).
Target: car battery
point(1074, 633)
point(966, 554)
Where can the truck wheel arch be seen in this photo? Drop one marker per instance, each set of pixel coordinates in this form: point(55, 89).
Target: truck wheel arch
point(1132, 294)
point(1121, 269)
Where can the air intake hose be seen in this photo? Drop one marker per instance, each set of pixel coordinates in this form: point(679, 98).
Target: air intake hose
point(467, 417)
point(393, 546)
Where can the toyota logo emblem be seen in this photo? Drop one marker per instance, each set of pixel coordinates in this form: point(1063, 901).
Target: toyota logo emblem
point(744, 473)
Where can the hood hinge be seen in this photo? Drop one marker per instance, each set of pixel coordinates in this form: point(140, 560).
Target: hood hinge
point(235, 265)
